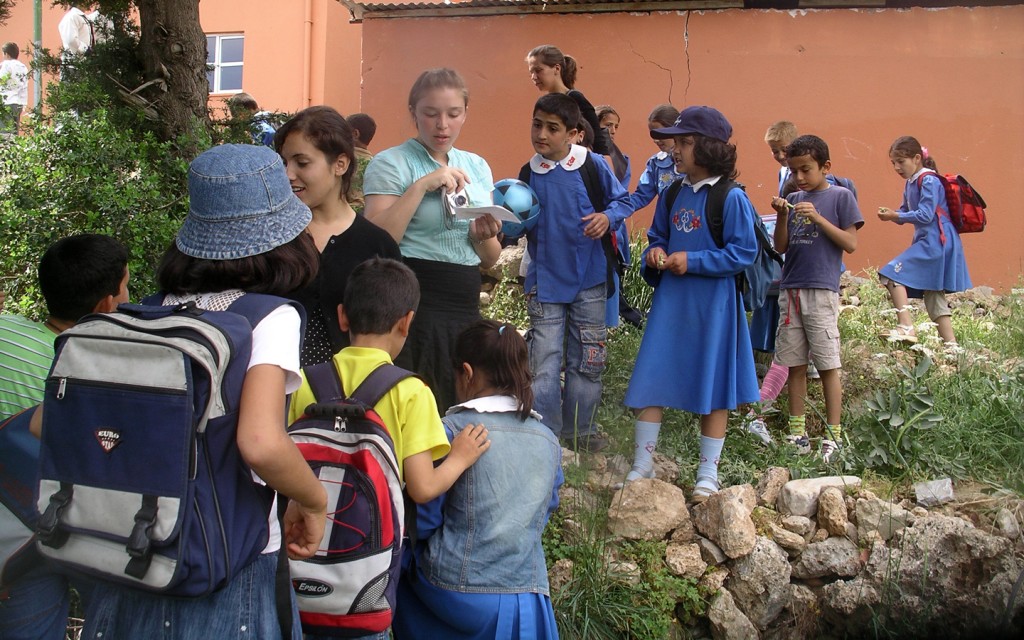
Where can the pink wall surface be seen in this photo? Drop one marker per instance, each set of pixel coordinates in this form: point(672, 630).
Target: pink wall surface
point(954, 78)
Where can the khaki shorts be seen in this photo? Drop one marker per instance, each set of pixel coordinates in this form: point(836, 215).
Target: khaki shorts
point(808, 328)
point(935, 302)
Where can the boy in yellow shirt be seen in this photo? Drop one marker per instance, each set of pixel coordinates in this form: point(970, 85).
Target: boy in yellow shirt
point(380, 300)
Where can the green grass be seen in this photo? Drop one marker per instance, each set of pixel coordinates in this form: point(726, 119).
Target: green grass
point(979, 396)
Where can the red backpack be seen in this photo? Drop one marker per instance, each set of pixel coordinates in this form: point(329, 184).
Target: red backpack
point(965, 204)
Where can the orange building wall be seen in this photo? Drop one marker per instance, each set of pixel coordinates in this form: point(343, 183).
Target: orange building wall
point(954, 78)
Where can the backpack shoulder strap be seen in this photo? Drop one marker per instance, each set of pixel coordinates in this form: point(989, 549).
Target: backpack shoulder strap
point(672, 191)
point(592, 183)
point(714, 209)
point(379, 382)
point(257, 306)
point(524, 173)
point(324, 381)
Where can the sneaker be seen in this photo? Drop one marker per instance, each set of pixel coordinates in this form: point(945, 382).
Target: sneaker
point(802, 444)
point(704, 489)
point(586, 442)
point(759, 429)
point(828, 448)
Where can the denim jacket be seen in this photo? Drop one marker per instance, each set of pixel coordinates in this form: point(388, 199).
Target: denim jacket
point(493, 516)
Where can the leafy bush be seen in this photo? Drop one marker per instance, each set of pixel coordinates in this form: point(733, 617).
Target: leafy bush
point(86, 174)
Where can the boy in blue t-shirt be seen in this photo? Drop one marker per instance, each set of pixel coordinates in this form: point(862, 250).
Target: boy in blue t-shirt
point(566, 283)
point(816, 225)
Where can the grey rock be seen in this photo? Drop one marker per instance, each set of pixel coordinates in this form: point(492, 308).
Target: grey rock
point(832, 557)
point(710, 552)
point(934, 492)
point(684, 560)
point(727, 621)
point(1006, 524)
point(952, 577)
point(832, 511)
point(647, 510)
point(714, 579)
point(819, 535)
point(800, 525)
point(770, 484)
point(800, 497)
point(791, 542)
point(758, 582)
point(875, 514)
point(725, 519)
point(851, 533)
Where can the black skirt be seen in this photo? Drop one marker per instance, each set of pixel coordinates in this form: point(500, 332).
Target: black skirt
point(449, 302)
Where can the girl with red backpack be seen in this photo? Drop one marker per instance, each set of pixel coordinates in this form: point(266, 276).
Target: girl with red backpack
point(934, 263)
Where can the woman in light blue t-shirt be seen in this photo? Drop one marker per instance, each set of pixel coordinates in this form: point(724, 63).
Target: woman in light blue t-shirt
point(403, 187)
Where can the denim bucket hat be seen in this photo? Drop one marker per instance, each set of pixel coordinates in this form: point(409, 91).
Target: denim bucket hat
point(706, 121)
point(240, 204)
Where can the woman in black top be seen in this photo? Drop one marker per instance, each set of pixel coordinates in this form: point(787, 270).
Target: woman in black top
point(316, 146)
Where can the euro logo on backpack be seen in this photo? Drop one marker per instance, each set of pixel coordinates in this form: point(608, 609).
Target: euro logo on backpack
point(966, 206)
point(349, 587)
point(141, 480)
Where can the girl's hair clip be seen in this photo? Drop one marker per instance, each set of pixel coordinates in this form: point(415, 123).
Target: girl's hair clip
point(501, 330)
point(924, 152)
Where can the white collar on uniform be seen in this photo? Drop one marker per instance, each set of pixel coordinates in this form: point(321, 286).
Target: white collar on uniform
point(571, 162)
point(918, 174)
point(706, 181)
point(661, 155)
point(490, 404)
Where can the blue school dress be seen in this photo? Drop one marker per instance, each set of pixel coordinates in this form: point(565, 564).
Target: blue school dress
point(695, 354)
point(935, 260)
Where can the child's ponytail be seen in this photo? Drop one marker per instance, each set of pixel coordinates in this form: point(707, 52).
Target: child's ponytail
point(908, 147)
point(497, 351)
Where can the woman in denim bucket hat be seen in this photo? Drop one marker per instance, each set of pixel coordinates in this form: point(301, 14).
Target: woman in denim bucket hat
point(245, 233)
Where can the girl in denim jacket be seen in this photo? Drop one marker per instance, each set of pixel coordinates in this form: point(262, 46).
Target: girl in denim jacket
point(478, 569)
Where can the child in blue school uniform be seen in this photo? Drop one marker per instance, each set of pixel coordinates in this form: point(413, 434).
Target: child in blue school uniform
point(566, 288)
point(660, 170)
point(695, 354)
point(934, 263)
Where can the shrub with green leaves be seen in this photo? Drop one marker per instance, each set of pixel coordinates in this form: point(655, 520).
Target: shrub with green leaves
point(86, 174)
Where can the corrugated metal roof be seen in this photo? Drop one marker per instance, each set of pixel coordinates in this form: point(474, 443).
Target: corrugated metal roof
point(389, 9)
point(455, 8)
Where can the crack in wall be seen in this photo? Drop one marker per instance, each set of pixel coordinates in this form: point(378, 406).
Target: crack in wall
point(671, 80)
point(686, 52)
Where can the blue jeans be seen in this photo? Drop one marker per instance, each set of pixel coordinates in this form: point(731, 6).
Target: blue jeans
point(242, 610)
point(579, 326)
point(35, 607)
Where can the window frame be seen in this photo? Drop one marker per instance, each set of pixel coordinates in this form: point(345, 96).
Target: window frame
point(216, 65)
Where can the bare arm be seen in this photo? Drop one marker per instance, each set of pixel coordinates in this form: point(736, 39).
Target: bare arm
point(781, 235)
point(267, 449)
point(483, 233)
point(424, 481)
point(393, 213)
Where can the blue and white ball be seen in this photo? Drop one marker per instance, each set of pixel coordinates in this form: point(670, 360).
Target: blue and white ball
point(519, 198)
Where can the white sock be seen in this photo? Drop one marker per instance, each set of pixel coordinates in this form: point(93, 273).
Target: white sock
point(646, 439)
point(710, 452)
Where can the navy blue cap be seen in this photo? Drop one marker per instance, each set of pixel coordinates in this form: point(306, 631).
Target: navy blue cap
point(707, 121)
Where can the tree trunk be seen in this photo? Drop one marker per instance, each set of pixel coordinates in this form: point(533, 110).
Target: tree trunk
point(172, 48)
